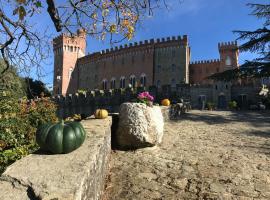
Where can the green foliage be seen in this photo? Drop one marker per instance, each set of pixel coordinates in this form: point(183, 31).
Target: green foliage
point(35, 88)
point(18, 124)
point(10, 81)
point(232, 104)
point(210, 105)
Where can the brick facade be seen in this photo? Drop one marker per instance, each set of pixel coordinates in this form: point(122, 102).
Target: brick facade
point(164, 61)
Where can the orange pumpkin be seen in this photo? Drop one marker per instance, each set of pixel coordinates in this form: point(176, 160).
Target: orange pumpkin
point(101, 114)
point(165, 102)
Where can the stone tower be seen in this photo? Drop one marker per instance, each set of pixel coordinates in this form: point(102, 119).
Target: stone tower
point(67, 49)
point(229, 53)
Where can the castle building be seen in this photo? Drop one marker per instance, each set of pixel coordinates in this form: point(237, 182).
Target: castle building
point(151, 62)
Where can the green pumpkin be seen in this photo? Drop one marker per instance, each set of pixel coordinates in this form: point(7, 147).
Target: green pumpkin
point(61, 137)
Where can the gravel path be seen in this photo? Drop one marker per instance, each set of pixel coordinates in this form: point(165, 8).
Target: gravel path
point(205, 155)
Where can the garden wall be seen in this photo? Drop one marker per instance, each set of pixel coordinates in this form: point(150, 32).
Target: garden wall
point(86, 104)
point(79, 175)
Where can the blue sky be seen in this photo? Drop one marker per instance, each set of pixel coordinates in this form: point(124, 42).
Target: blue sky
point(206, 22)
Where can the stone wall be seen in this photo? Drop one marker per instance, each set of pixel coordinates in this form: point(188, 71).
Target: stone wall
point(87, 103)
point(79, 175)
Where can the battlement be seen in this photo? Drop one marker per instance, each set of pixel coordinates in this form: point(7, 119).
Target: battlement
point(226, 45)
point(159, 42)
point(212, 61)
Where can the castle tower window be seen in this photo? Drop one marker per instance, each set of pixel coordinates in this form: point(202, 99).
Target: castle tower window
point(132, 60)
point(173, 83)
point(71, 49)
point(217, 69)
point(228, 61)
point(70, 72)
point(122, 82)
point(123, 61)
point(143, 80)
point(104, 84)
point(113, 83)
point(132, 81)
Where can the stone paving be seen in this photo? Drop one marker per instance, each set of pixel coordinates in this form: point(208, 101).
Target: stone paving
point(204, 155)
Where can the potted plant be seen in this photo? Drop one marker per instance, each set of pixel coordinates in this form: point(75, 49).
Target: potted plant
point(146, 98)
point(210, 105)
point(232, 105)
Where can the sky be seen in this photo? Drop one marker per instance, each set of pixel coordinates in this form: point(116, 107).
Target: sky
point(206, 22)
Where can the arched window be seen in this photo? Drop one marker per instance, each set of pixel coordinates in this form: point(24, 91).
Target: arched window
point(70, 72)
point(143, 80)
point(132, 81)
point(158, 83)
point(173, 83)
point(113, 83)
point(122, 82)
point(104, 84)
point(228, 61)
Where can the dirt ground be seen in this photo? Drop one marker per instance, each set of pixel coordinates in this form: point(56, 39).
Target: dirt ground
point(204, 155)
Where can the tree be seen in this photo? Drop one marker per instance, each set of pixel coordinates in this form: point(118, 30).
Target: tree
point(24, 46)
point(258, 41)
point(11, 82)
point(35, 88)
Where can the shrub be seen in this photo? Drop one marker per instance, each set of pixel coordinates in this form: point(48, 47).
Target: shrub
point(210, 105)
point(232, 104)
point(18, 123)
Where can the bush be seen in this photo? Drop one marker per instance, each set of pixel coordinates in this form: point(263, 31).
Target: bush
point(210, 105)
point(18, 124)
point(232, 104)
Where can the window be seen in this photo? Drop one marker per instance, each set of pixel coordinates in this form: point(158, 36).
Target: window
point(173, 53)
point(143, 80)
point(122, 82)
point(71, 49)
point(123, 61)
point(70, 72)
point(132, 60)
point(173, 67)
point(217, 69)
point(132, 81)
point(173, 83)
point(228, 61)
point(216, 87)
point(143, 57)
point(104, 84)
point(113, 83)
point(158, 68)
point(158, 83)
